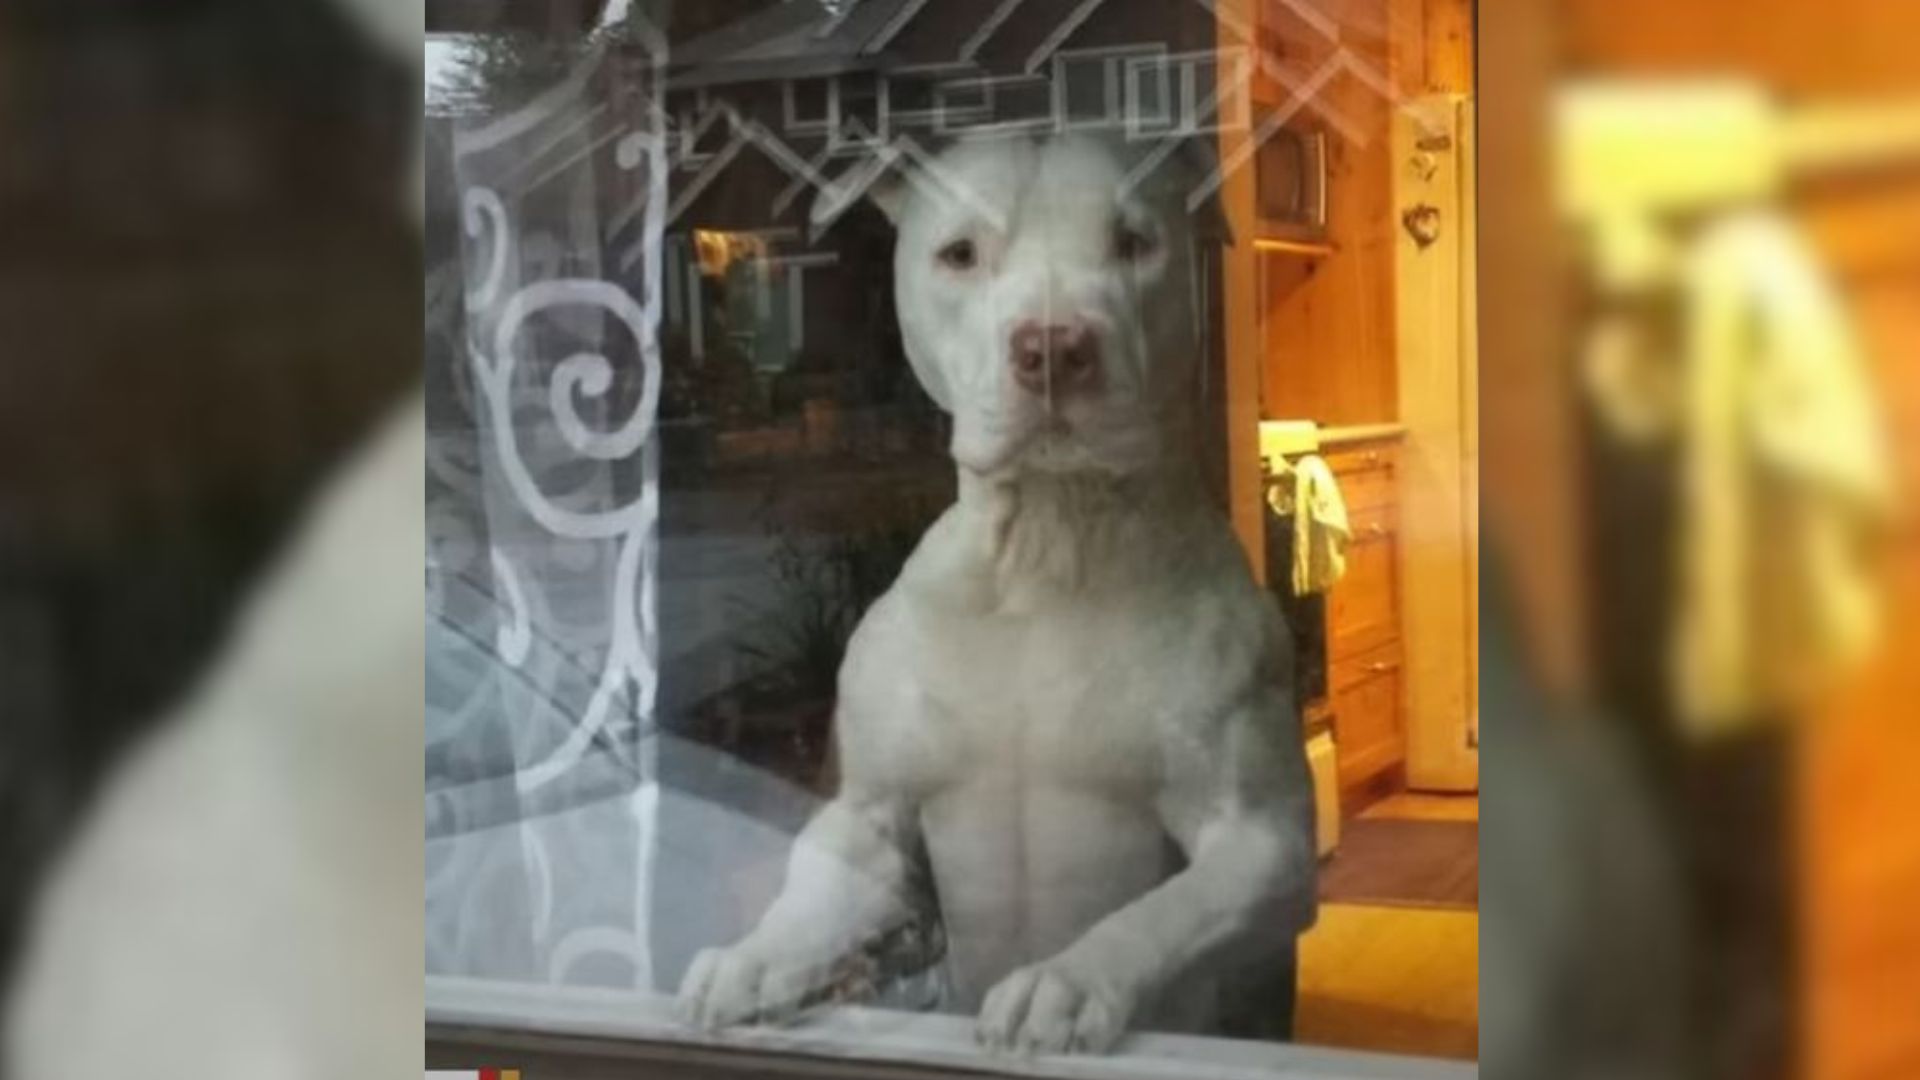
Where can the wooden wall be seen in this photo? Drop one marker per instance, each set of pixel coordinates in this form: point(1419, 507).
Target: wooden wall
point(1833, 47)
point(1328, 322)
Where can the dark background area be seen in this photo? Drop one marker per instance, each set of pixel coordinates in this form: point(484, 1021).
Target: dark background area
point(207, 292)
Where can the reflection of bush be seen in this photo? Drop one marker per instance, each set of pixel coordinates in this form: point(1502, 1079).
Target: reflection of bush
point(727, 388)
point(793, 639)
point(820, 592)
point(819, 596)
point(679, 382)
point(790, 390)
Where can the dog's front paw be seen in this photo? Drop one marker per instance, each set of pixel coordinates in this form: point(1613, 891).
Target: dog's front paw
point(724, 987)
point(1055, 1007)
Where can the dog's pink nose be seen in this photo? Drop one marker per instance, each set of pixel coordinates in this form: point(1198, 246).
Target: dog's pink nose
point(1054, 357)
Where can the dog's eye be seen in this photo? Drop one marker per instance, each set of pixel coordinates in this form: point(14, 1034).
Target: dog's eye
point(959, 255)
point(1131, 244)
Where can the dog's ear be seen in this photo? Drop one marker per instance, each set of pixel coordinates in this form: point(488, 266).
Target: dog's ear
point(876, 178)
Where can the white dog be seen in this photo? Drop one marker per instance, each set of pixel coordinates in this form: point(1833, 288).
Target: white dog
point(1075, 666)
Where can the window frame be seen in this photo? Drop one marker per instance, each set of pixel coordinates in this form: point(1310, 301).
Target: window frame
point(583, 1033)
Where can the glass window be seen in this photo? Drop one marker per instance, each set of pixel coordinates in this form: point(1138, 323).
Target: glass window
point(919, 506)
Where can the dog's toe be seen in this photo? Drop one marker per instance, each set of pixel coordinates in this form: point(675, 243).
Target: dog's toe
point(1097, 1028)
point(1006, 1009)
point(1049, 1009)
point(1049, 1024)
point(722, 988)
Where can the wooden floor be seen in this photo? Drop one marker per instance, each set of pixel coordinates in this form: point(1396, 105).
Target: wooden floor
point(1415, 806)
point(1394, 979)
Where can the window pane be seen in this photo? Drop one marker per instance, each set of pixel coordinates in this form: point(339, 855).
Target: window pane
point(915, 505)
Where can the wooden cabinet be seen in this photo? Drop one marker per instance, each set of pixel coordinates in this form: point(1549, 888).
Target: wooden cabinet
point(1363, 610)
point(1365, 677)
point(1365, 695)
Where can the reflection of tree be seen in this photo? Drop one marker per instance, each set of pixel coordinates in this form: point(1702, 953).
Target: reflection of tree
point(820, 595)
point(727, 388)
point(679, 385)
point(795, 632)
point(691, 21)
point(498, 72)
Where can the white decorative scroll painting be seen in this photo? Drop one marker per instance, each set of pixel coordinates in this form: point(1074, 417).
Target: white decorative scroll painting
point(543, 494)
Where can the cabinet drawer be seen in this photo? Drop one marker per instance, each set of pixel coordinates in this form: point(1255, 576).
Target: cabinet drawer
point(1363, 609)
point(1354, 670)
point(1368, 476)
point(1366, 706)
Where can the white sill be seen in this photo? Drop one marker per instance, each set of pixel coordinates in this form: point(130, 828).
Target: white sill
point(916, 1038)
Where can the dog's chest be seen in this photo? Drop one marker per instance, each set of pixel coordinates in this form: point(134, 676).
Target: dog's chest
point(1043, 701)
point(1039, 769)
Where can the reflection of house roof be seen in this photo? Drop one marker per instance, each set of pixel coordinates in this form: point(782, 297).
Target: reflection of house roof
point(792, 40)
point(798, 39)
point(993, 53)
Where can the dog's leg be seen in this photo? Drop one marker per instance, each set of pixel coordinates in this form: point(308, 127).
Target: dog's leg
point(1240, 802)
point(848, 884)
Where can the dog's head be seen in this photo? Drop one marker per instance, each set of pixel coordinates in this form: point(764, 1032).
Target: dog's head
point(1048, 297)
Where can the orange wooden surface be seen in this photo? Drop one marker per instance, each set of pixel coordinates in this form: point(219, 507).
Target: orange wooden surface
point(1859, 811)
point(1861, 775)
point(1862, 883)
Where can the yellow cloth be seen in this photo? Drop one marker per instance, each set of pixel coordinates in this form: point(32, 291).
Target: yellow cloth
point(1785, 474)
point(1320, 530)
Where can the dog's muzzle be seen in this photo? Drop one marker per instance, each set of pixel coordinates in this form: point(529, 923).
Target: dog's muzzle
point(1055, 359)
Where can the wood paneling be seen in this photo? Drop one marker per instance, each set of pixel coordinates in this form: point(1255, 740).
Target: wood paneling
point(1446, 42)
point(1328, 328)
point(1827, 48)
point(1328, 325)
point(1861, 942)
point(1435, 372)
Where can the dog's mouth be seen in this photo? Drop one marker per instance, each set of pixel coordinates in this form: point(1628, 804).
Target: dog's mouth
point(1053, 427)
point(1051, 440)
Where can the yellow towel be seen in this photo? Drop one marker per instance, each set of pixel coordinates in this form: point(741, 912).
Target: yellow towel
point(1785, 473)
point(1320, 530)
